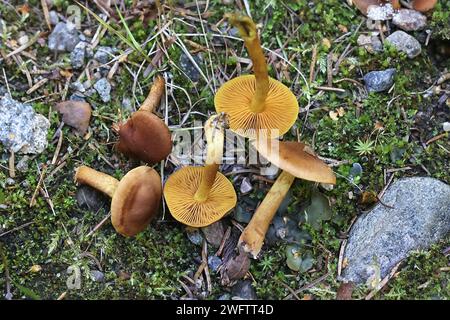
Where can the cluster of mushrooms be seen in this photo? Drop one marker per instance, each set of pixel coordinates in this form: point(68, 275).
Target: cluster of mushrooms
point(254, 106)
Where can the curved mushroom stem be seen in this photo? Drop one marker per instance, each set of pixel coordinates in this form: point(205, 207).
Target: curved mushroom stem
point(214, 132)
point(154, 97)
point(97, 180)
point(248, 32)
point(253, 235)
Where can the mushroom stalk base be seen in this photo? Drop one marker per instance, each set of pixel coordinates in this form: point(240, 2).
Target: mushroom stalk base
point(154, 97)
point(248, 32)
point(252, 237)
point(97, 180)
point(208, 178)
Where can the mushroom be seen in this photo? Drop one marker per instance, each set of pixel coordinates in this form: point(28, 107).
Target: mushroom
point(200, 196)
point(296, 160)
point(256, 105)
point(135, 199)
point(145, 136)
point(423, 5)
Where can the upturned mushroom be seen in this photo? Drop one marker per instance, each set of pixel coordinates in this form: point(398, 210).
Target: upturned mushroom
point(135, 198)
point(296, 160)
point(144, 136)
point(200, 196)
point(257, 105)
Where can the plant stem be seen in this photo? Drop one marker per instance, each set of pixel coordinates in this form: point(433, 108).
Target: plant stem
point(253, 235)
point(97, 180)
point(248, 32)
point(214, 132)
point(154, 97)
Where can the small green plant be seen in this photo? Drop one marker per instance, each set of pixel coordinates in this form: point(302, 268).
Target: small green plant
point(364, 147)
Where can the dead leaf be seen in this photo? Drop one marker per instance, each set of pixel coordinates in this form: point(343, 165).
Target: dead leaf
point(66, 73)
point(24, 9)
point(340, 111)
point(235, 268)
point(76, 114)
point(378, 126)
point(36, 268)
point(368, 197)
point(333, 115)
point(345, 291)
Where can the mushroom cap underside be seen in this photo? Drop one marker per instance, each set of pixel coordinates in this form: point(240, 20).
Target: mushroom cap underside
point(136, 201)
point(145, 137)
point(179, 192)
point(280, 113)
point(297, 159)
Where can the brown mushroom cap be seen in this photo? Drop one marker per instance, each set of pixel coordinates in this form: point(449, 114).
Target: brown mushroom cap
point(280, 113)
point(145, 137)
point(136, 201)
point(179, 192)
point(297, 159)
point(423, 5)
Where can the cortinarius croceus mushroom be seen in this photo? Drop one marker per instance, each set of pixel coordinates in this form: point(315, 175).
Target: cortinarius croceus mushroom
point(296, 160)
point(200, 196)
point(256, 105)
point(145, 136)
point(135, 198)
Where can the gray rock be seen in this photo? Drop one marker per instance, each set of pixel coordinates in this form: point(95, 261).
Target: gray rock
point(21, 129)
point(78, 54)
point(381, 12)
point(214, 233)
point(10, 182)
point(22, 165)
point(189, 68)
point(54, 19)
point(405, 43)
point(244, 290)
point(377, 81)
point(97, 276)
point(214, 262)
point(103, 88)
point(64, 37)
point(246, 185)
point(104, 54)
point(90, 199)
point(195, 237)
point(409, 20)
point(370, 43)
point(381, 238)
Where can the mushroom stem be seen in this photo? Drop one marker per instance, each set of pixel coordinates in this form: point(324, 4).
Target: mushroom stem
point(253, 235)
point(154, 97)
point(97, 180)
point(214, 132)
point(248, 32)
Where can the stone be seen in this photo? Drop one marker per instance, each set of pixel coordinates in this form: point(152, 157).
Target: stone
point(370, 43)
point(97, 276)
point(22, 165)
point(382, 237)
point(214, 262)
point(446, 126)
point(78, 54)
point(103, 88)
point(378, 81)
point(214, 233)
point(91, 199)
point(189, 68)
point(405, 43)
point(246, 185)
point(64, 37)
point(104, 54)
point(409, 20)
point(381, 12)
point(54, 19)
point(244, 290)
point(21, 129)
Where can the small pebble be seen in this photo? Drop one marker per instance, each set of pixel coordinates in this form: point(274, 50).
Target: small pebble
point(405, 43)
point(54, 19)
point(246, 185)
point(78, 54)
point(214, 262)
point(97, 276)
point(103, 88)
point(378, 81)
point(409, 20)
point(446, 126)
